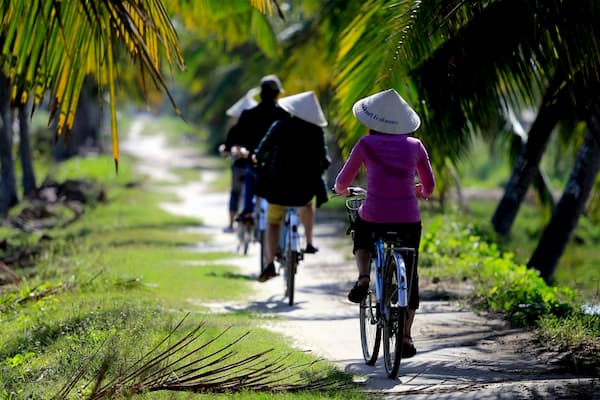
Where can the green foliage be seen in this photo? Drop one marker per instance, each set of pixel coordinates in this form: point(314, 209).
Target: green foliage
point(452, 250)
point(499, 285)
point(68, 40)
point(577, 267)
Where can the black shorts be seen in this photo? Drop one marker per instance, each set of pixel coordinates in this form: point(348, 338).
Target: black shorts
point(365, 233)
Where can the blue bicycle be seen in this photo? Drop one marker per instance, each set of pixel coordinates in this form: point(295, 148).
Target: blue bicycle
point(290, 250)
point(384, 308)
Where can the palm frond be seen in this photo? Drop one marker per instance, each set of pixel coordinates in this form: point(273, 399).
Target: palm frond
point(368, 53)
point(233, 22)
point(48, 47)
point(475, 74)
point(201, 366)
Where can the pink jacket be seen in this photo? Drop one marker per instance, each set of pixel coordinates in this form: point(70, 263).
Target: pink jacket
point(391, 162)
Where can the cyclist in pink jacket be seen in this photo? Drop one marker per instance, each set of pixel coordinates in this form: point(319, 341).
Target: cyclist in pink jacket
point(392, 160)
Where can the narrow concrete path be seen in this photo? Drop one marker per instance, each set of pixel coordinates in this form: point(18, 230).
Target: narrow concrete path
point(461, 355)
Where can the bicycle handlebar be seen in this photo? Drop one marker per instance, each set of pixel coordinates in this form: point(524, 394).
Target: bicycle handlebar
point(358, 191)
point(352, 191)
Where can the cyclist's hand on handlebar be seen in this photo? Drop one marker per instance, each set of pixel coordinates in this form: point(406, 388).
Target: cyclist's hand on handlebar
point(222, 150)
point(345, 193)
point(244, 153)
point(356, 190)
point(350, 191)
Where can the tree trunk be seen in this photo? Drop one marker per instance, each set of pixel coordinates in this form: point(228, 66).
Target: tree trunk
point(29, 185)
point(84, 138)
point(570, 206)
point(8, 181)
point(526, 166)
point(540, 181)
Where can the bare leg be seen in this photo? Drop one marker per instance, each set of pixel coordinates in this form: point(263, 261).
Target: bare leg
point(362, 262)
point(272, 241)
point(307, 217)
point(410, 317)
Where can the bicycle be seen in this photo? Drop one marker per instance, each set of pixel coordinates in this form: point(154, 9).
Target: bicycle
point(383, 310)
point(290, 251)
point(253, 229)
point(260, 230)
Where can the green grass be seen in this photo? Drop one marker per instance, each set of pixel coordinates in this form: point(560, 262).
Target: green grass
point(577, 268)
point(111, 285)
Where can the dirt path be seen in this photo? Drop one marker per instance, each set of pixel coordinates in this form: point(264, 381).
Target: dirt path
point(460, 354)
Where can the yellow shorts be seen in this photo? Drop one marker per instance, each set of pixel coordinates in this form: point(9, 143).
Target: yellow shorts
point(275, 213)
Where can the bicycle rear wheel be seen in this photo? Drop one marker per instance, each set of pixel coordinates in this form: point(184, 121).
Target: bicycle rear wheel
point(370, 328)
point(393, 327)
point(291, 265)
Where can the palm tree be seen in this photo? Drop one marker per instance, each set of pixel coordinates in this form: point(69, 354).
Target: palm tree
point(526, 167)
point(65, 41)
point(48, 48)
point(571, 205)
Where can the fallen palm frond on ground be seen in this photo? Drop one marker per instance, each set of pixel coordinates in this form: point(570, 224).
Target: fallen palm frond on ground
point(188, 366)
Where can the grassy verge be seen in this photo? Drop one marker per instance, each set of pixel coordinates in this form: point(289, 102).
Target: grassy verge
point(108, 288)
point(453, 254)
point(578, 267)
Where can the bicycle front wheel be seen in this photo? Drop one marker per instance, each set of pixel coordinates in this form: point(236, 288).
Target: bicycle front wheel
point(393, 329)
point(370, 328)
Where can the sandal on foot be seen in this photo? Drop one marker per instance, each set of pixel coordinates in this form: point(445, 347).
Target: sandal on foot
point(310, 249)
point(359, 291)
point(267, 273)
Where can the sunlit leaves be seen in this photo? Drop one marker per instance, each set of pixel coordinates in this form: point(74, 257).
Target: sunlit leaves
point(49, 46)
point(368, 54)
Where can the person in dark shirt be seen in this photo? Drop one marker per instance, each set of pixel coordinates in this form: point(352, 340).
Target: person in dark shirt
point(239, 160)
point(251, 128)
point(292, 158)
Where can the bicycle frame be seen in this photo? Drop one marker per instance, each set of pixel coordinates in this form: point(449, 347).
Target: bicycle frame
point(261, 216)
point(289, 232)
point(383, 250)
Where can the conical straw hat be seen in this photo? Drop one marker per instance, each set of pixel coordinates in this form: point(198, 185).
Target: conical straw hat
point(242, 104)
point(304, 106)
point(386, 112)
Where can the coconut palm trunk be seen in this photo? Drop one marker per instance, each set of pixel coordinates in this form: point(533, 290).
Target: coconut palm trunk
point(570, 206)
point(25, 155)
point(8, 182)
point(526, 167)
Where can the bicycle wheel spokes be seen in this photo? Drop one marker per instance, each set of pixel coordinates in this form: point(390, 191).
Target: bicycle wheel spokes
point(370, 329)
point(393, 329)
